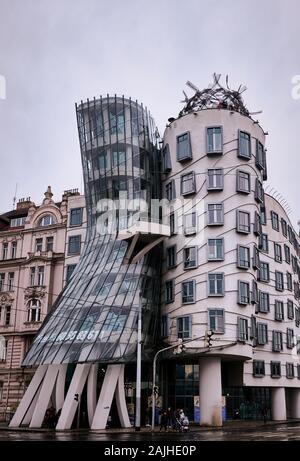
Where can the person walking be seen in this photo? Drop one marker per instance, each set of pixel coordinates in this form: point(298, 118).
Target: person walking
point(169, 418)
point(163, 420)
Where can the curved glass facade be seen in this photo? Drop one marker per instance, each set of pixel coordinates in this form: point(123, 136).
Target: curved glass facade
point(95, 317)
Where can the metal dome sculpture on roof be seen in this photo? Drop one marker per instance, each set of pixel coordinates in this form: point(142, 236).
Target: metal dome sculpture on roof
point(215, 97)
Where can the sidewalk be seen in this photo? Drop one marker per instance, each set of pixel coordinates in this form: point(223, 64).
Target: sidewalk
point(236, 425)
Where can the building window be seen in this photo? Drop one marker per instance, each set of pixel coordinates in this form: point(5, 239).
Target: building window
point(7, 315)
point(243, 183)
point(279, 310)
point(70, 270)
point(4, 250)
point(259, 191)
point(243, 292)
point(254, 292)
point(216, 284)
point(171, 256)
point(264, 302)
point(39, 244)
point(169, 291)
point(298, 372)
point(287, 254)
point(262, 333)
point(290, 338)
point(244, 148)
point(215, 214)
point(40, 275)
point(290, 309)
point(214, 140)
point(289, 370)
point(275, 369)
point(216, 321)
point(190, 223)
point(258, 368)
point(297, 317)
point(243, 222)
point(242, 329)
point(119, 158)
point(172, 224)
point(13, 250)
point(215, 179)
point(243, 257)
point(164, 326)
point(167, 166)
point(49, 243)
point(257, 228)
point(188, 183)
point(75, 217)
point(289, 281)
point(277, 252)
point(74, 245)
point(256, 258)
point(190, 257)
point(264, 272)
point(188, 292)
point(259, 160)
point(215, 249)
point(117, 123)
point(170, 190)
point(284, 227)
point(184, 151)
point(275, 220)
point(184, 327)
point(11, 276)
point(34, 310)
point(279, 284)
point(2, 280)
point(17, 222)
point(263, 215)
point(277, 341)
point(1, 390)
point(32, 277)
point(47, 220)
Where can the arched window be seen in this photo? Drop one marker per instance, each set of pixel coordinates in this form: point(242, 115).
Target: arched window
point(47, 220)
point(34, 310)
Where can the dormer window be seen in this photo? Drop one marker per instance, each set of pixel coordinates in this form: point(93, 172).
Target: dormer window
point(47, 220)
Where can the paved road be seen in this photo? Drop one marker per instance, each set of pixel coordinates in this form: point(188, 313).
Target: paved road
point(284, 432)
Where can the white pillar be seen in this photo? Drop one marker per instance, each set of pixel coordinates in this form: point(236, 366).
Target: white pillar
point(121, 400)
point(295, 403)
point(44, 396)
point(106, 395)
point(70, 404)
point(60, 387)
point(278, 404)
point(210, 391)
point(92, 392)
point(29, 397)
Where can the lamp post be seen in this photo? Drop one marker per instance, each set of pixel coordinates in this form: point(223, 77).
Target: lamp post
point(138, 370)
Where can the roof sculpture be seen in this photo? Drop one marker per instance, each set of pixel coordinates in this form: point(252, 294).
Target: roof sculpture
point(215, 96)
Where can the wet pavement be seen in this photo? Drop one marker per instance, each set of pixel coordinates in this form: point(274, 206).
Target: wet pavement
point(282, 432)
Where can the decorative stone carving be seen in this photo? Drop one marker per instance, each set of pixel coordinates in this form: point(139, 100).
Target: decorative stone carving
point(34, 292)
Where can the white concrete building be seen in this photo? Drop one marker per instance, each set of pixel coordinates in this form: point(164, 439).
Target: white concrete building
point(231, 266)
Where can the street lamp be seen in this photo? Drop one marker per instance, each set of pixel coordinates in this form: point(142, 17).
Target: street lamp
point(138, 370)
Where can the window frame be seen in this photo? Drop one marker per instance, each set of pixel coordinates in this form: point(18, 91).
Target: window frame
point(214, 151)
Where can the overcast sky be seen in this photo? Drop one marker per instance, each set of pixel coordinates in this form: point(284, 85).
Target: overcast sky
point(56, 52)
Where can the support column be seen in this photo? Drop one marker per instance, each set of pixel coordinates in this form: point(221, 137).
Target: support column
point(278, 404)
point(44, 396)
point(295, 403)
point(210, 391)
point(29, 397)
point(92, 392)
point(60, 387)
point(106, 396)
point(121, 400)
point(70, 404)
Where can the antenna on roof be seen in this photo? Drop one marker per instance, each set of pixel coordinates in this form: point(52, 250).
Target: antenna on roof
point(15, 196)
